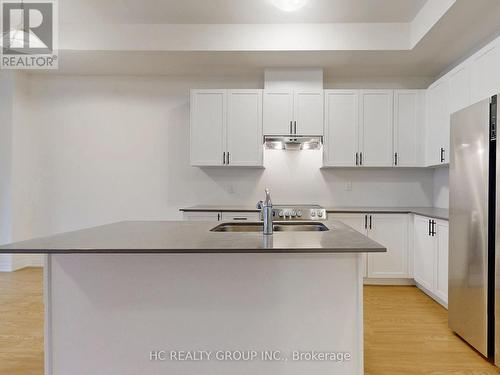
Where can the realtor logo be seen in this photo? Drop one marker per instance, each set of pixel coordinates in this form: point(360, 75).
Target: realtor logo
point(29, 38)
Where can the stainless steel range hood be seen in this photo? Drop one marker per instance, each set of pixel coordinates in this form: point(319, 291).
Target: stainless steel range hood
point(287, 142)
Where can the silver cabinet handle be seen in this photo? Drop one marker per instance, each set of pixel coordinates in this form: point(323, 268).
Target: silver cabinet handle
point(223, 158)
point(228, 157)
point(395, 158)
point(290, 127)
point(240, 218)
point(442, 155)
point(360, 158)
point(357, 158)
point(295, 127)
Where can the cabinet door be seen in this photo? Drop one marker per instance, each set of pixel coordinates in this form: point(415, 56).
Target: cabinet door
point(460, 90)
point(390, 230)
point(207, 126)
point(278, 112)
point(244, 127)
point(202, 216)
point(240, 216)
point(356, 222)
point(485, 75)
point(438, 123)
point(376, 119)
point(408, 122)
point(308, 112)
point(442, 260)
point(341, 128)
point(424, 253)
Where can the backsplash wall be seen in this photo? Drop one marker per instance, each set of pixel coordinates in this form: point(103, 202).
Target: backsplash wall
point(102, 149)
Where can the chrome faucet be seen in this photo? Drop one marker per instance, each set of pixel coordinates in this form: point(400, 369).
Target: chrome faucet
point(266, 213)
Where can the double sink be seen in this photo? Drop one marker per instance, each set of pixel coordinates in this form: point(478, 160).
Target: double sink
point(277, 227)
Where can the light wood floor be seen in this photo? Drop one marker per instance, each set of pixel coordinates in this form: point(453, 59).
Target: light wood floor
point(406, 332)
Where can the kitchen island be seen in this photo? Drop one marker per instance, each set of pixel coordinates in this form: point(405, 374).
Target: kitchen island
point(176, 298)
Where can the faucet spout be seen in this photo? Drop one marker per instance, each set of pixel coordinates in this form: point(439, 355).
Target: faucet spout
point(267, 214)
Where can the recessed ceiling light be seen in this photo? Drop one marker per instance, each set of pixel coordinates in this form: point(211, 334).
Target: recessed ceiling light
point(289, 5)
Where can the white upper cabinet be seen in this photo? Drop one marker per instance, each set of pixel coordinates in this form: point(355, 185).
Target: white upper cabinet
point(278, 112)
point(460, 90)
point(376, 124)
point(226, 128)
point(244, 128)
point(341, 128)
point(208, 124)
point(293, 112)
point(409, 122)
point(474, 80)
point(308, 112)
point(390, 230)
point(438, 123)
point(485, 73)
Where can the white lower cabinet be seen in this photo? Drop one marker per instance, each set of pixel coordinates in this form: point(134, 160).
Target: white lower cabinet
point(240, 216)
point(442, 260)
point(390, 230)
point(220, 216)
point(202, 215)
point(357, 222)
point(431, 257)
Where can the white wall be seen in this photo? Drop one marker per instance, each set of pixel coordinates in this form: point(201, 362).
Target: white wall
point(93, 150)
point(441, 190)
point(13, 113)
point(6, 106)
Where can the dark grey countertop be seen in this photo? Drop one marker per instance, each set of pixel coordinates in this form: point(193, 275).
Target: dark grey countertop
point(434, 212)
point(142, 237)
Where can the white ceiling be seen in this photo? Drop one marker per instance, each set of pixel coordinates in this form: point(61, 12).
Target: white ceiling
point(465, 27)
point(235, 11)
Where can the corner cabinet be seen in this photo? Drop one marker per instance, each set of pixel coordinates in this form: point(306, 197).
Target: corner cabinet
point(289, 112)
point(226, 128)
point(431, 257)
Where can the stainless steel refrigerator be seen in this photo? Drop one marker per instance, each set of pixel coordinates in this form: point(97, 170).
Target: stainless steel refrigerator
point(474, 259)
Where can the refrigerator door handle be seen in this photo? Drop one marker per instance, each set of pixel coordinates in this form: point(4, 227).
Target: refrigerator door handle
point(429, 228)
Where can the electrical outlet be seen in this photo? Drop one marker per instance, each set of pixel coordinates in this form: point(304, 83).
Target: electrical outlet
point(348, 186)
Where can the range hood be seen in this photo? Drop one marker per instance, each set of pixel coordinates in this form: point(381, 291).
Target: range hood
point(287, 142)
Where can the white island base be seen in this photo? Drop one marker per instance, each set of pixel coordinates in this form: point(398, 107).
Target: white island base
point(109, 314)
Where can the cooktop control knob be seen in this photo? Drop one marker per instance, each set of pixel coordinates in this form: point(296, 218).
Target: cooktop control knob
point(281, 213)
point(293, 213)
point(320, 213)
point(299, 213)
point(313, 213)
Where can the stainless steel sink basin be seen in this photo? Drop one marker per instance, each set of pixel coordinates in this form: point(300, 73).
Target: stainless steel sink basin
point(284, 226)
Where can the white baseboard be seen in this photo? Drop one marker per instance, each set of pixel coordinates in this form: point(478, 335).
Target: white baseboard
point(388, 281)
point(5, 263)
point(14, 262)
point(433, 296)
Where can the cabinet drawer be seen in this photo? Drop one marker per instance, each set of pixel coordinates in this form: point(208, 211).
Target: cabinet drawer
point(240, 216)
